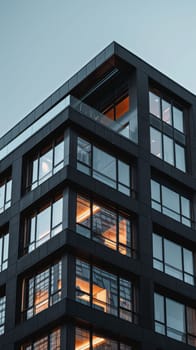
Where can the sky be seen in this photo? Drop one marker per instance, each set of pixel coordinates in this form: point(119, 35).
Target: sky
point(44, 42)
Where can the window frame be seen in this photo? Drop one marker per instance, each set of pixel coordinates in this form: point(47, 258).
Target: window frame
point(163, 154)
point(29, 292)
point(32, 345)
point(4, 248)
point(27, 224)
point(183, 219)
point(5, 183)
point(87, 166)
point(90, 289)
point(48, 147)
point(185, 274)
point(2, 311)
point(90, 232)
point(165, 329)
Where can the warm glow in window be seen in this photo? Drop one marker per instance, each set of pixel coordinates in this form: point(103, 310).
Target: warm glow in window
point(118, 108)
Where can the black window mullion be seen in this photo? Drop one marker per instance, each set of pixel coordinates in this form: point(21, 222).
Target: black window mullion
point(180, 208)
point(165, 314)
point(117, 230)
point(53, 149)
point(91, 285)
point(91, 217)
point(117, 174)
point(51, 218)
point(50, 285)
point(182, 258)
point(161, 197)
point(186, 324)
point(163, 252)
point(118, 296)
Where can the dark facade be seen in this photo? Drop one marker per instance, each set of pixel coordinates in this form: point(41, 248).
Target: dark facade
point(97, 214)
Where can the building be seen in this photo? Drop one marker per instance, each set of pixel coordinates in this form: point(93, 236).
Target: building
point(97, 223)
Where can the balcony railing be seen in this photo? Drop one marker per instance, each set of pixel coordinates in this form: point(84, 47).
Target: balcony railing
point(126, 126)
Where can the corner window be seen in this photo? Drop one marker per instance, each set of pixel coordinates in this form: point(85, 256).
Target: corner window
point(173, 259)
point(174, 319)
point(5, 193)
point(104, 167)
point(41, 291)
point(43, 224)
point(2, 312)
point(111, 228)
point(50, 341)
point(104, 291)
point(84, 340)
point(170, 203)
point(166, 110)
point(4, 247)
point(46, 163)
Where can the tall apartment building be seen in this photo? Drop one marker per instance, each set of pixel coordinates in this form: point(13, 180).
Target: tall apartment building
point(97, 214)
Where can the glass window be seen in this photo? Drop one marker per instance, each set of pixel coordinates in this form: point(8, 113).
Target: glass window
point(43, 225)
point(175, 319)
point(2, 313)
point(117, 109)
point(156, 142)
point(85, 340)
point(178, 119)
point(104, 167)
point(166, 112)
point(170, 203)
point(173, 259)
point(154, 102)
point(171, 152)
point(49, 342)
point(104, 225)
point(41, 291)
point(169, 113)
point(168, 150)
point(104, 291)
point(5, 194)
point(4, 247)
point(83, 156)
point(46, 163)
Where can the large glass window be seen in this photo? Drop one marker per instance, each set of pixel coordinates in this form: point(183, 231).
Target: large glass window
point(170, 203)
point(45, 163)
point(86, 340)
point(41, 291)
point(104, 291)
point(173, 259)
point(175, 319)
point(111, 228)
point(164, 147)
point(167, 111)
point(5, 193)
point(43, 224)
point(103, 166)
point(4, 247)
point(50, 341)
point(118, 108)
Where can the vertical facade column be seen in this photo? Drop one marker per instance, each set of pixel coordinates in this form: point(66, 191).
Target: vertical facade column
point(144, 199)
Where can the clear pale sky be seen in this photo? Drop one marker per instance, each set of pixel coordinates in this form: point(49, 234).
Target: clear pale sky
point(44, 42)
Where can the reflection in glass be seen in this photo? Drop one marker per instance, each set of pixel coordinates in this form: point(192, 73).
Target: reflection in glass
point(178, 119)
point(46, 164)
point(166, 112)
point(173, 259)
point(180, 157)
point(4, 246)
point(104, 225)
point(85, 340)
point(104, 167)
point(95, 162)
point(168, 150)
point(50, 341)
point(5, 194)
point(175, 320)
point(154, 102)
point(170, 203)
point(41, 291)
point(103, 291)
point(43, 225)
point(155, 142)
